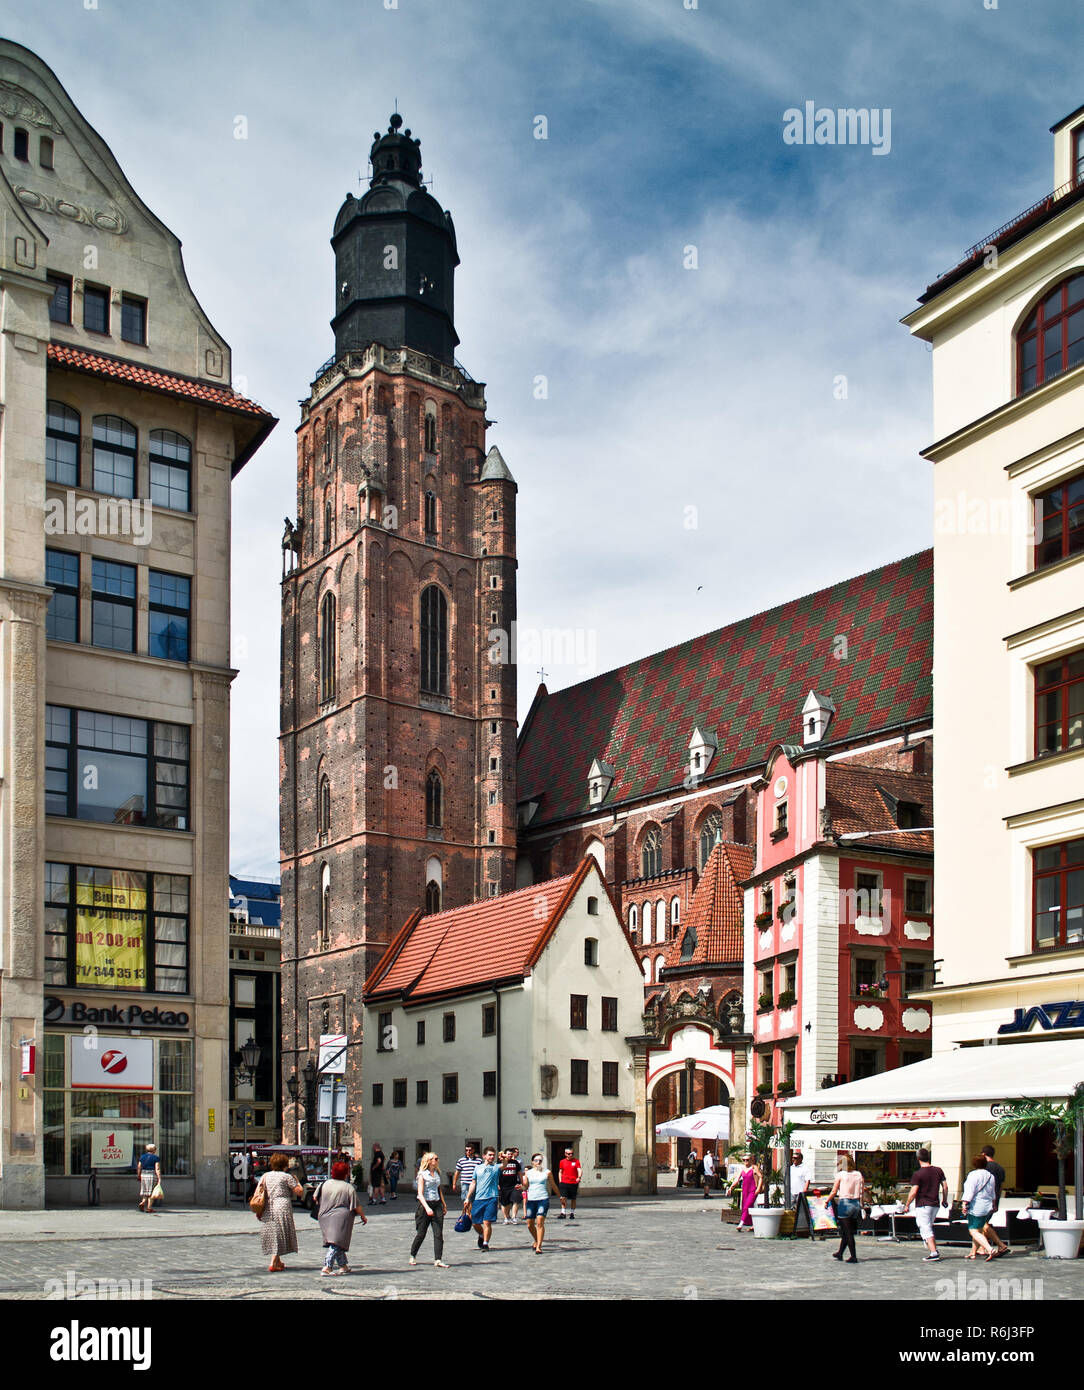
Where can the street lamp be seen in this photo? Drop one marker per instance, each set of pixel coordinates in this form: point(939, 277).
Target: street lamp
point(309, 1073)
point(245, 1075)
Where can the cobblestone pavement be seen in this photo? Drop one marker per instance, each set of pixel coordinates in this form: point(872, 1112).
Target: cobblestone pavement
point(669, 1247)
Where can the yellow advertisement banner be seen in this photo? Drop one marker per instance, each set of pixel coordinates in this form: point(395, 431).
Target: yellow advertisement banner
point(111, 930)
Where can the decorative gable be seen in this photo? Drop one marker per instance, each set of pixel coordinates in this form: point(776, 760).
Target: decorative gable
point(816, 716)
point(703, 746)
point(599, 781)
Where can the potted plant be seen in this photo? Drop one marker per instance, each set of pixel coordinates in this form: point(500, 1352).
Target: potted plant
point(767, 1214)
point(785, 1088)
point(765, 1002)
point(787, 998)
point(784, 910)
point(1061, 1236)
point(869, 991)
point(762, 919)
point(764, 1088)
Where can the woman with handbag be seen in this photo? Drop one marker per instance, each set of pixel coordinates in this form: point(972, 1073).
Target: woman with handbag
point(847, 1191)
point(273, 1205)
point(977, 1201)
point(150, 1176)
point(337, 1207)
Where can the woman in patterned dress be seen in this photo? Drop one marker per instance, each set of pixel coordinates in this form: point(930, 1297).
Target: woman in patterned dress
point(278, 1235)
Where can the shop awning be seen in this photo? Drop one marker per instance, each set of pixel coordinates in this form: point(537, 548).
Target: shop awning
point(969, 1083)
point(853, 1139)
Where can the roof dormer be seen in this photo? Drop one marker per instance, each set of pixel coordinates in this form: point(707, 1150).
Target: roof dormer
point(1069, 149)
point(599, 781)
point(816, 716)
point(703, 746)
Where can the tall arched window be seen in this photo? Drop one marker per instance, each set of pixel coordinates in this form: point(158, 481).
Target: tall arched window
point(325, 908)
point(675, 911)
point(327, 648)
point(432, 896)
point(434, 634)
point(660, 961)
point(430, 432)
point(711, 832)
point(651, 853)
point(323, 808)
point(660, 921)
point(430, 513)
point(434, 801)
point(329, 525)
point(634, 918)
point(1051, 338)
point(647, 969)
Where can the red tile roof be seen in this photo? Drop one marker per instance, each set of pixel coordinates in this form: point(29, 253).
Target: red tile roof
point(468, 947)
point(716, 913)
point(861, 799)
point(152, 379)
point(747, 682)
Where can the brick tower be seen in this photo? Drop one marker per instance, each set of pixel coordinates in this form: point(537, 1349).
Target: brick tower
point(398, 702)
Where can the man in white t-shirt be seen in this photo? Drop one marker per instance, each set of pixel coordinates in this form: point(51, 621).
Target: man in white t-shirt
point(708, 1173)
point(800, 1176)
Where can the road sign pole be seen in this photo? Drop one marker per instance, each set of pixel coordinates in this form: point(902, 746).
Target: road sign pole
point(331, 1123)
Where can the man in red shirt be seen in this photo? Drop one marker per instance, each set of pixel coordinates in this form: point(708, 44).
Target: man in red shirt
point(568, 1175)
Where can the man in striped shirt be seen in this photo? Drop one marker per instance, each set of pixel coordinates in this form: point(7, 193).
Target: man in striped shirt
point(464, 1171)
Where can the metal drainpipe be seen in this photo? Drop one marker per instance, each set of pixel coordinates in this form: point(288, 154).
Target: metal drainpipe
point(497, 996)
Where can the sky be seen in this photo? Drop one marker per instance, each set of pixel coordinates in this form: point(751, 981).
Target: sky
point(687, 326)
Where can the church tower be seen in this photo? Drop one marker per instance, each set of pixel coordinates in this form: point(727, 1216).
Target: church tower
point(398, 698)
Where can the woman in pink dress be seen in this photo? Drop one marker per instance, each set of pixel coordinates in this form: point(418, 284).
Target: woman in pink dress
point(751, 1184)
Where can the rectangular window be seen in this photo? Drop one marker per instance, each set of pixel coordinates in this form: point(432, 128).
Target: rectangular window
point(114, 443)
point(1059, 522)
point(865, 1061)
point(868, 893)
point(790, 980)
point(421, 1032)
point(45, 151)
point(378, 1094)
point(590, 949)
point(867, 972)
point(244, 991)
point(1078, 156)
point(788, 1066)
point(451, 1088)
point(909, 1056)
point(765, 1070)
point(133, 319)
point(916, 895)
point(61, 445)
point(578, 1084)
point(398, 1091)
point(767, 989)
point(170, 457)
point(1059, 704)
point(609, 1079)
point(915, 975)
point(60, 306)
point(113, 588)
point(489, 1083)
point(780, 820)
point(609, 1014)
point(95, 309)
point(489, 1020)
point(1058, 889)
point(383, 1032)
point(577, 1011)
point(170, 601)
point(62, 617)
point(421, 1093)
point(607, 1154)
point(170, 933)
point(20, 146)
point(449, 1027)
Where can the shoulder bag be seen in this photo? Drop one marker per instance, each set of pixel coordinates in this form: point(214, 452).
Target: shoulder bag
point(258, 1201)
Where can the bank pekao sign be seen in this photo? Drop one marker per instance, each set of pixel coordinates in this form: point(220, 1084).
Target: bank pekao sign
point(115, 1015)
point(1067, 1014)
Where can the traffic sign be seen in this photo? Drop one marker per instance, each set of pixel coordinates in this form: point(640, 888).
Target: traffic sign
point(323, 1113)
point(332, 1054)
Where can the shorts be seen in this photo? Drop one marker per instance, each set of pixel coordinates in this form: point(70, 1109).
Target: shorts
point(538, 1208)
point(483, 1210)
point(925, 1216)
point(507, 1196)
point(569, 1190)
point(977, 1220)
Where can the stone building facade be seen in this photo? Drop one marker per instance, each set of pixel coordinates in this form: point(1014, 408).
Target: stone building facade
point(121, 437)
point(398, 701)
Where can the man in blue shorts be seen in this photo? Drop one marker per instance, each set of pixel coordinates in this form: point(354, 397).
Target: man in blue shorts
point(481, 1204)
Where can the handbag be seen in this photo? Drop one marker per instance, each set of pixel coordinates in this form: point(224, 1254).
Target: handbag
point(314, 1210)
point(158, 1194)
point(463, 1224)
point(258, 1201)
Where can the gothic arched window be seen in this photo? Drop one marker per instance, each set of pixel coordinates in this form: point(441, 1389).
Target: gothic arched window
point(430, 513)
point(325, 908)
point(328, 525)
point(327, 648)
point(432, 896)
point(434, 633)
point(660, 921)
point(651, 853)
point(430, 434)
point(434, 801)
point(711, 832)
point(323, 809)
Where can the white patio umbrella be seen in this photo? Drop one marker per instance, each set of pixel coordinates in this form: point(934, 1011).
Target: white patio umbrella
point(712, 1123)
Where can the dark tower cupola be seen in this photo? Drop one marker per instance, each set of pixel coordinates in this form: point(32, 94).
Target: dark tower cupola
point(395, 257)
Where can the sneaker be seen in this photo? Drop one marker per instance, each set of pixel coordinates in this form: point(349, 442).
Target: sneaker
point(515, 1220)
point(481, 1243)
point(572, 1216)
point(931, 1259)
point(439, 1264)
point(560, 1216)
point(413, 1261)
point(505, 1221)
point(485, 1248)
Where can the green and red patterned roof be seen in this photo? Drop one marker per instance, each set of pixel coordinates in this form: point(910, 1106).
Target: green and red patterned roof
point(747, 682)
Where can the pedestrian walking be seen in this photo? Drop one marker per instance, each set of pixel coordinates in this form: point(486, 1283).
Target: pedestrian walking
point(150, 1175)
point(395, 1172)
point(508, 1185)
point(749, 1183)
point(800, 1177)
point(481, 1203)
point(568, 1174)
point(977, 1201)
point(707, 1172)
point(377, 1175)
point(464, 1171)
point(430, 1212)
point(929, 1191)
point(537, 1185)
point(847, 1191)
point(339, 1205)
point(990, 1231)
point(278, 1234)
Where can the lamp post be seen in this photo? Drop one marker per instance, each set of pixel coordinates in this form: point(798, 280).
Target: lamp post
point(245, 1075)
point(309, 1073)
point(291, 1091)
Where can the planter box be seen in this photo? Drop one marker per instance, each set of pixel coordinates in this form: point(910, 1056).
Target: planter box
point(1061, 1239)
point(766, 1222)
point(730, 1215)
